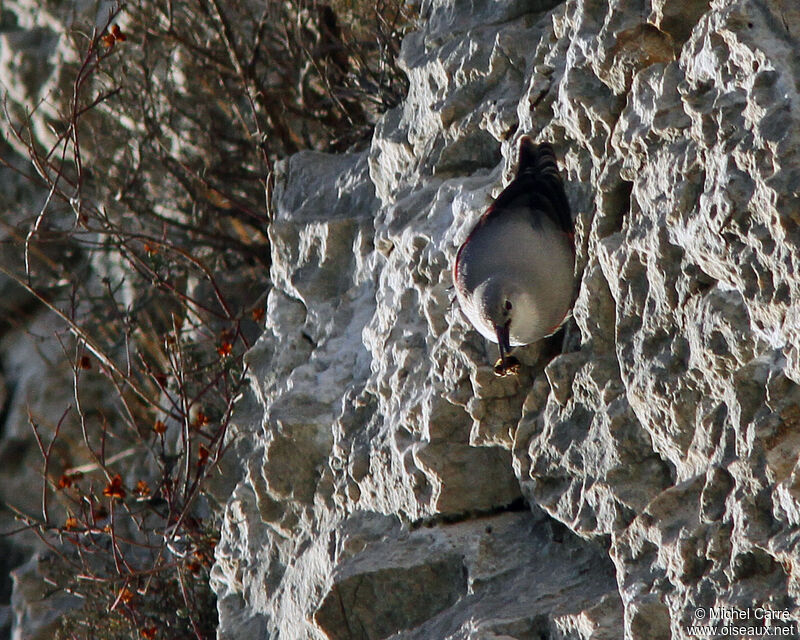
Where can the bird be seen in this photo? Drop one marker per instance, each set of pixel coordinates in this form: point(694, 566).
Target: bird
point(514, 274)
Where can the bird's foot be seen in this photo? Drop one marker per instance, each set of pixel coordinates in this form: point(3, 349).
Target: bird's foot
point(508, 367)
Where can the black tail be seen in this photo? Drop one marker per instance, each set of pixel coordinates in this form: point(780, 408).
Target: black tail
point(537, 186)
point(537, 174)
point(538, 160)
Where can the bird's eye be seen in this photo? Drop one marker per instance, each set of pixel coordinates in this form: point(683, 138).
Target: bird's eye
point(508, 305)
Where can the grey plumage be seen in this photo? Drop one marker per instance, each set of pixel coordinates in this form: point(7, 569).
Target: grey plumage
point(514, 273)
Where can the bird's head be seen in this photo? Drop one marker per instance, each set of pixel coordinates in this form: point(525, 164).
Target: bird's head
point(496, 302)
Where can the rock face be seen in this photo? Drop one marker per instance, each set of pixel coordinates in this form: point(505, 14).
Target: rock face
point(641, 472)
point(379, 467)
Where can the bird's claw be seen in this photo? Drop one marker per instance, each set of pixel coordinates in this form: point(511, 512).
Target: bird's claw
point(508, 367)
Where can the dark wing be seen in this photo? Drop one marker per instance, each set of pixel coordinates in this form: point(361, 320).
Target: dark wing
point(537, 186)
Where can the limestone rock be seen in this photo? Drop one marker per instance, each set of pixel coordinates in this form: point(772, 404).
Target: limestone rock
point(664, 423)
point(381, 482)
point(433, 581)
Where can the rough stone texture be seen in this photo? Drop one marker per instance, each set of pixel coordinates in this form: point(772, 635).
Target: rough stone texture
point(440, 579)
point(659, 443)
point(382, 482)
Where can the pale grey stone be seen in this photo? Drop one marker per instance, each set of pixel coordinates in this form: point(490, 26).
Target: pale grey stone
point(652, 448)
point(666, 426)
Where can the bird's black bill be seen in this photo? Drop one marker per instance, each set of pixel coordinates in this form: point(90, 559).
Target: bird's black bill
point(507, 364)
point(503, 341)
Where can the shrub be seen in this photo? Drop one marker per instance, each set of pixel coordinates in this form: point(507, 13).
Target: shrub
point(151, 247)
